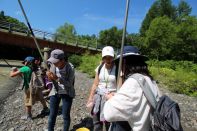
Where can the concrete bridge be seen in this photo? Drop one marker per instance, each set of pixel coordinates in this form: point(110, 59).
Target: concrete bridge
point(17, 42)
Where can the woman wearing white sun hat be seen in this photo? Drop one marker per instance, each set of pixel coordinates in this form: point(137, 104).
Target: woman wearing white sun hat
point(129, 104)
point(104, 82)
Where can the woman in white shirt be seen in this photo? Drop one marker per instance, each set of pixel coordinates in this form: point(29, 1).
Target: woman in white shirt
point(129, 103)
point(104, 82)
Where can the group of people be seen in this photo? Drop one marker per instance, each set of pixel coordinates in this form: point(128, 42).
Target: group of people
point(30, 96)
point(122, 105)
point(109, 101)
point(59, 80)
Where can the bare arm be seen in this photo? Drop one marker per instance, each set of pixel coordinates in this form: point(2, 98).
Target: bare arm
point(15, 73)
point(93, 88)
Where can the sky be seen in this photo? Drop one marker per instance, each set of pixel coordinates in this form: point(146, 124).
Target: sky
point(88, 16)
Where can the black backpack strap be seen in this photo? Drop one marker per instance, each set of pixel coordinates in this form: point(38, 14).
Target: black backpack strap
point(146, 89)
point(99, 69)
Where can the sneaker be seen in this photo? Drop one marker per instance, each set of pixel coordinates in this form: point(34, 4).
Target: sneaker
point(45, 111)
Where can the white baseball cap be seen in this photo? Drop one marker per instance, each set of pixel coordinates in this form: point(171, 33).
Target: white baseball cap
point(108, 51)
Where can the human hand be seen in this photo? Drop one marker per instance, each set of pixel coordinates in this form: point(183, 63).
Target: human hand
point(109, 95)
point(51, 76)
point(90, 103)
point(14, 69)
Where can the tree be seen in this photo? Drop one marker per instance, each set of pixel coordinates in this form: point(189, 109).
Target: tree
point(135, 40)
point(87, 40)
point(167, 9)
point(13, 22)
point(112, 37)
point(152, 13)
point(158, 9)
point(183, 9)
point(66, 33)
point(161, 38)
point(2, 16)
point(187, 32)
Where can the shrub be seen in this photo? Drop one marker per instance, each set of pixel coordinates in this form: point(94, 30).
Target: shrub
point(75, 60)
point(178, 76)
point(89, 63)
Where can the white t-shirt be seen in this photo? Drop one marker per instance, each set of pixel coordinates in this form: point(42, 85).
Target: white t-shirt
point(107, 78)
point(130, 104)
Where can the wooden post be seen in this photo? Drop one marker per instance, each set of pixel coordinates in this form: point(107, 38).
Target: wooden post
point(46, 51)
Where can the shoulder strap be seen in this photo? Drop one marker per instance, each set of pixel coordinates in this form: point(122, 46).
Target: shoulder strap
point(73, 68)
point(99, 69)
point(146, 89)
point(69, 67)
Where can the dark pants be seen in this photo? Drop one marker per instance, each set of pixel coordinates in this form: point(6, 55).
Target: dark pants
point(120, 126)
point(54, 106)
point(98, 125)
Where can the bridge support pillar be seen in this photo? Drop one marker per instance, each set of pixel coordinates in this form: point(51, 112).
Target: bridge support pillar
point(46, 51)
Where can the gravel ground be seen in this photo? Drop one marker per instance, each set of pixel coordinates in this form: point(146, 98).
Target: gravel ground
point(13, 109)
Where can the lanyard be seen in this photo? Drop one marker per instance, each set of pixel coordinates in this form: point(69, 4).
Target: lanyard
point(107, 79)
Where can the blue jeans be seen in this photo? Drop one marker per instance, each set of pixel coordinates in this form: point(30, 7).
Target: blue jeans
point(54, 106)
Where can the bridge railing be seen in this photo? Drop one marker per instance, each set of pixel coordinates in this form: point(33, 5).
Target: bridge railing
point(13, 27)
point(74, 41)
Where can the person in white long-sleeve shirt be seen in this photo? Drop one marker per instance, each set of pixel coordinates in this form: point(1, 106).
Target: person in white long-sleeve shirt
point(129, 103)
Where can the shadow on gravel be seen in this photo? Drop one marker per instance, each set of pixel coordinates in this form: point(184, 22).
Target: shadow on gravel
point(86, 122)
point(41, 115)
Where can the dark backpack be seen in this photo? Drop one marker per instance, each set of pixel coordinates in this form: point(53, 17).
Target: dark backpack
point(166, 112)
point(166, 116)
point(120, 126)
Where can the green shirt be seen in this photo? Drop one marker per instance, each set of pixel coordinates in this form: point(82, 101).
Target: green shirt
point(26, 71)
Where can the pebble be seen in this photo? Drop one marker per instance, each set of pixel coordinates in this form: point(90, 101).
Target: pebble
point(13, 109)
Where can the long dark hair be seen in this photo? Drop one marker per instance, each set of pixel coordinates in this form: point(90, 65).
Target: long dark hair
point(136, 65)
point(133, 64)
